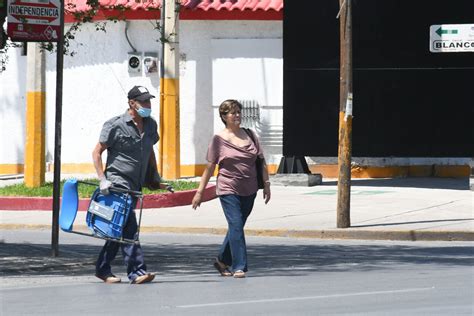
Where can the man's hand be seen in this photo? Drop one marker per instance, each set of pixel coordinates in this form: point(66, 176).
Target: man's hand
point(167, 187)
point(104, 186)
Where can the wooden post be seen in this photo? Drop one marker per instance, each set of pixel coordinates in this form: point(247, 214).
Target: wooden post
point(162, 78)
point(345, 117)
point(170, 124)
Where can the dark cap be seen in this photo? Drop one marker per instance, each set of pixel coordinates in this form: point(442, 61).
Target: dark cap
point(139, 93)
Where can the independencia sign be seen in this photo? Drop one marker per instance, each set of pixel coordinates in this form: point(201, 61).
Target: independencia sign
point(33, 20)
point(447, 38)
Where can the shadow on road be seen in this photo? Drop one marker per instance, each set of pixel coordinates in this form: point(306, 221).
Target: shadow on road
point(423, 183)
point(19, 259)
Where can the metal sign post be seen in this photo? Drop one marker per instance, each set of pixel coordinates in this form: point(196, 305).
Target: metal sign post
point(43, 21)
point(57, 134)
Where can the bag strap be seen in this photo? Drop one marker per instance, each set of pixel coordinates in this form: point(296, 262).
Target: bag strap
point(249, 132)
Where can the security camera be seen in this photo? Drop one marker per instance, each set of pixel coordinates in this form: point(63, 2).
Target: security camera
point(134, 62)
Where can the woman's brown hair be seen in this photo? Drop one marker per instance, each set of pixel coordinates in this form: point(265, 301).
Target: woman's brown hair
point(228, 106)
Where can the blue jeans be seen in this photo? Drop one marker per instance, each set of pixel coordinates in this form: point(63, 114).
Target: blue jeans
point(132, 253)
point(233, 251)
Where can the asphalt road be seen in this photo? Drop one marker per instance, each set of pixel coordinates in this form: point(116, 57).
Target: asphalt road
point(287, 276)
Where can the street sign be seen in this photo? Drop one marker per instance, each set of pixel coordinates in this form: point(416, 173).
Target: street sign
point(33, 20)
point(447, 38)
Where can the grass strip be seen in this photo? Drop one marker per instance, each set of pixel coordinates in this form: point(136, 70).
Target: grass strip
point(84, 191)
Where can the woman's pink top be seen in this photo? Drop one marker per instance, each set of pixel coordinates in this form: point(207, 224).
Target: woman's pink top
point(237, 171)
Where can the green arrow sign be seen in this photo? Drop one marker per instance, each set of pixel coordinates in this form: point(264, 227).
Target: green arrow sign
point(440, 31)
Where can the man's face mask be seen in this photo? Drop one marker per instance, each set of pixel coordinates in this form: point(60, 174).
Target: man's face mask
point(143, 112)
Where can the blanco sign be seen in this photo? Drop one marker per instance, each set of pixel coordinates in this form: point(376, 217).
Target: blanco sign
point(446, 38)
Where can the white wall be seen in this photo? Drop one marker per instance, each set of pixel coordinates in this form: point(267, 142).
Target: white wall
point(96, 80)
point(12, 108)
point(205, 61)
point(251, 71)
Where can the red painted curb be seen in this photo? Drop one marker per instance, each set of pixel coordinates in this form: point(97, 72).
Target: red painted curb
point(178, 198)
point(11, 203)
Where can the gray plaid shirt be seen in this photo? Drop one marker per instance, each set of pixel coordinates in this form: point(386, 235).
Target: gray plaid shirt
point(128, 152)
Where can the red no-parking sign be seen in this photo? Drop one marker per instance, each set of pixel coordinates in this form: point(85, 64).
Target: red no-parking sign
point(33, 20)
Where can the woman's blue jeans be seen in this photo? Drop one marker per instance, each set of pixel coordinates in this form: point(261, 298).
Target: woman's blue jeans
point(237, 209)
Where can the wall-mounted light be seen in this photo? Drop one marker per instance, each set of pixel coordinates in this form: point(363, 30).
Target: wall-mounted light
point(135, 62)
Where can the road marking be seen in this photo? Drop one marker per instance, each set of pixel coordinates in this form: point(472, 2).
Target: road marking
point(306, 297)
point(353, 192)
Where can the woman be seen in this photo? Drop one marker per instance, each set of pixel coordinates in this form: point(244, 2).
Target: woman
point(235, 152)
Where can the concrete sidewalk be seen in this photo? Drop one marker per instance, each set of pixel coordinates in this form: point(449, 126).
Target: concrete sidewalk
point(394, 209)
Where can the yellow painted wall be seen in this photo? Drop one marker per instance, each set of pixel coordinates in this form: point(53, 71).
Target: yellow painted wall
point(328, 171)
point(11, 168)
point(35, 160)
point(170, 155)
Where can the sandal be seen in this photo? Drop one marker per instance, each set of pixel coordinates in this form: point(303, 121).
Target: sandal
point(239, 274)
point(109, 278)
point(148, 277)
point(222, 268)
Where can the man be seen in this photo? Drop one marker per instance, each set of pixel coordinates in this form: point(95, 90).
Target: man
point(129, 140)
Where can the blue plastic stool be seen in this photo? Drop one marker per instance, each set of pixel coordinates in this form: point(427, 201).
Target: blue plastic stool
point(106, 216)
point(69, 205)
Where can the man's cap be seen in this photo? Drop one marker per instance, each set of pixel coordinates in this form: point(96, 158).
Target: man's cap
point(139, 93)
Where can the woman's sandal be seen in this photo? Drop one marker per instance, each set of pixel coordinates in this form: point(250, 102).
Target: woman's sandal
point(222, 268)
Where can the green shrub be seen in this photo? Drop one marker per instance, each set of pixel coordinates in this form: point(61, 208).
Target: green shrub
point(85, 191)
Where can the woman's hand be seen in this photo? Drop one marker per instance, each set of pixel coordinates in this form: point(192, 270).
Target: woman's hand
point(267, 194)
point(197, 200)
point(202, 185)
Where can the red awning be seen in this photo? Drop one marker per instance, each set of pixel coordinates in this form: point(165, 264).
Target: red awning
point(190, 10)
point(187, 5)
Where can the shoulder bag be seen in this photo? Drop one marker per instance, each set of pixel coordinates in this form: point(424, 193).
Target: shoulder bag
point(258, 161)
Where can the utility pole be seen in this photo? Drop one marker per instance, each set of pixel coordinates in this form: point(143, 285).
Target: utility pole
point(170, 125)
point(345, 116)
point(35, 117)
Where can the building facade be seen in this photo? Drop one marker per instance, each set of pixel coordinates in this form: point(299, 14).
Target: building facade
point(225, 52)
